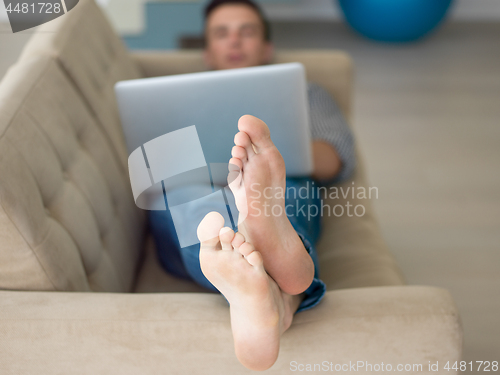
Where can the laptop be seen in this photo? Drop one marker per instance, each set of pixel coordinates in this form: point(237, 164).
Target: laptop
point(213, 102)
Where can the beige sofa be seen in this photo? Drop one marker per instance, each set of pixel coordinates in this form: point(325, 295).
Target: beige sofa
point(69, 229)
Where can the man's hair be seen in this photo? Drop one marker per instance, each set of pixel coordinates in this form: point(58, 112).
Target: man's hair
point(212, 5)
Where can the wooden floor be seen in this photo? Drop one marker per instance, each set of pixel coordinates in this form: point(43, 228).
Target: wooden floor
point(427, 117)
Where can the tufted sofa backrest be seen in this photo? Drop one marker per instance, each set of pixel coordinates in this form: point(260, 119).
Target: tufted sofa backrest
point(94, 58)
point(67, 217)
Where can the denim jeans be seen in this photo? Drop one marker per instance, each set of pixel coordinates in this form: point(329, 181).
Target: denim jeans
point(300, 202)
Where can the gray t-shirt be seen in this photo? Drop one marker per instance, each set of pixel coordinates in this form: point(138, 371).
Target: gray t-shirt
point(328, 124)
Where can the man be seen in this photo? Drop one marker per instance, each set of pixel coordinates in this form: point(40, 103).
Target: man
point(268, 269)
point(237, 35)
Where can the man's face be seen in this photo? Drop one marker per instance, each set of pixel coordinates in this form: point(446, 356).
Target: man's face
point(235, 38)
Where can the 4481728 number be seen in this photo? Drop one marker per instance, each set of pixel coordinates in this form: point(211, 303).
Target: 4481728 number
point(34, 8)
point(472, 365)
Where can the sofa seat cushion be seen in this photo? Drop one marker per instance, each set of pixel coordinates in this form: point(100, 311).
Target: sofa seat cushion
point(67, 217)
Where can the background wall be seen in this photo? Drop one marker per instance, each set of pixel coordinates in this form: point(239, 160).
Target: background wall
point(473, 10)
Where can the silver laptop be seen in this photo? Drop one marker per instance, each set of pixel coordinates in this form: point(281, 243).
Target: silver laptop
point(214, 101)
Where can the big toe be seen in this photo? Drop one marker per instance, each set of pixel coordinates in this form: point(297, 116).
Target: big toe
point(257, 130)
point(209, 228)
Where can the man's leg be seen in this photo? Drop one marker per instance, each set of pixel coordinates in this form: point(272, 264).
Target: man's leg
point(303, 209)
point(167, 244)
point(181, 262)
point(185, 262)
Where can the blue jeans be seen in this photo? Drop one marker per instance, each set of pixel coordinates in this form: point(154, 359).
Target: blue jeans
point(185, 263)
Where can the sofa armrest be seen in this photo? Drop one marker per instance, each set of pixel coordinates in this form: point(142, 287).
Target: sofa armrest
point(103, 333)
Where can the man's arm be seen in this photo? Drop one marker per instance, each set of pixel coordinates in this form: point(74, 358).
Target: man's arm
point(327, 163)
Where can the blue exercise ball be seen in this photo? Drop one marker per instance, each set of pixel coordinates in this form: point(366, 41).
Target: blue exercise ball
point(394, 20)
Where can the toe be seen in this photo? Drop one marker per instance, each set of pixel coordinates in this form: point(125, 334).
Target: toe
point(255, 259)
point(257, 130)
point(234, 176)
point(243, 140)
point(238, 240)
point(246, 248)
point(235, 165)
point(226, 236)
point(239, 152)
point(208, 230)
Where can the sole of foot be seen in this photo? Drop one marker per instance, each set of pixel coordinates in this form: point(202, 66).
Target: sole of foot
point(260, 311)
point(257, 179)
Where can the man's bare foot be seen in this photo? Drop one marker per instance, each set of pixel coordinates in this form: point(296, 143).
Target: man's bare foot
point(260, 312)
point(259, 187)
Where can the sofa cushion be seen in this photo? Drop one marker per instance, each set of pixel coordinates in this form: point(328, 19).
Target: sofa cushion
point(181, 333)
point(67, 216)
point(94, 57)
point(351, 250)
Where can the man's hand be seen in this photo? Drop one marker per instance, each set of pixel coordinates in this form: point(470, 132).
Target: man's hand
point(327, 163)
